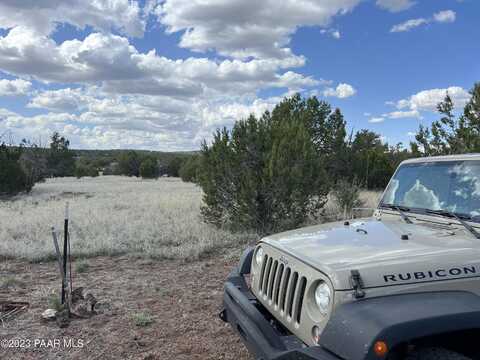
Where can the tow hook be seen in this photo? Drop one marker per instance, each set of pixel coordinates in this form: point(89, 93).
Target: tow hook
point(357, 284)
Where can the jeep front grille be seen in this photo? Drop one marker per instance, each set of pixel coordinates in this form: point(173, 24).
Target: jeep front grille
point(283, 288)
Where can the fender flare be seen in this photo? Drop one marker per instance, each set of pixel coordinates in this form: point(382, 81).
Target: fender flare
point(246, 261)
point(354, 327)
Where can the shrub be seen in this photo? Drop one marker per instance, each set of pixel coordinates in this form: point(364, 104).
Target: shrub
point(12, 177)
point(83, 169)
point(347, 196)
point(142, 319)
point(149, 169)
point(54, 302)
point(174, 166)
point(60, 160)
point(129, 164)
point(190, 169)
point(266, 174)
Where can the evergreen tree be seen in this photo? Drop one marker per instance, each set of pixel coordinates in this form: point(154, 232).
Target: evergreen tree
point(173, 168)
point(189, 171)
point(129, 163)
point(61, 160)
point(449, 135)
point(12, 178)
point(266, 174)
point(149, 169)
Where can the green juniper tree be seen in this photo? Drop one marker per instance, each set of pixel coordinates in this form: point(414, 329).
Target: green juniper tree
point(267, 173)
point(149, 168)
point(60, 160)
point(451, 135)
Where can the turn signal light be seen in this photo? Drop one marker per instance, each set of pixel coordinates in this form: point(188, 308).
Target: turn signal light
point(380, 348)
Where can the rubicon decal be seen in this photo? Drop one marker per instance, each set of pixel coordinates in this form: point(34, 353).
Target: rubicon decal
point(454, 272)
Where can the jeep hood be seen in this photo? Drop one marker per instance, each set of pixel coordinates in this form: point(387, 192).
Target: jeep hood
point(376, 249)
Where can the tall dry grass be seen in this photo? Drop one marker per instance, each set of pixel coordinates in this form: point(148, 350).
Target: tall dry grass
point(112, 215)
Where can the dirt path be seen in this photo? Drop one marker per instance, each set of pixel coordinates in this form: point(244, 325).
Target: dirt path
point(184, 300)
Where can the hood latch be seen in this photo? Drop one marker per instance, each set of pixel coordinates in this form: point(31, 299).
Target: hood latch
point(357, 284)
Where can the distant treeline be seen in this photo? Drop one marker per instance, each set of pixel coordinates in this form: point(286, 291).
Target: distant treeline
point(23, 165)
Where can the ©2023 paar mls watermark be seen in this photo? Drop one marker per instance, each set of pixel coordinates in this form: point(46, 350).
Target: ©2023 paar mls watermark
point(42, 343)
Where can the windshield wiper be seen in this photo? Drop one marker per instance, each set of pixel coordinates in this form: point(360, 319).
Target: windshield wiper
point(401, 210)
point(458, 217)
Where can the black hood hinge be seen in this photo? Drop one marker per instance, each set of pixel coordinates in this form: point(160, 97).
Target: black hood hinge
point(357, 284)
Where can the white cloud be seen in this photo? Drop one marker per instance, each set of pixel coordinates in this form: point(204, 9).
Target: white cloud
point(91, 118)
point(14, 87)
point(112, 60)
point(408, 25)
point(60, 100)
point(403, 114)
point(427, 100)
point(332, 32)
point(243, 28)
point(395, 5)
point(43, 16)
point(446, 16)
point(109, 94)
point(342, 91)
point(375, 120)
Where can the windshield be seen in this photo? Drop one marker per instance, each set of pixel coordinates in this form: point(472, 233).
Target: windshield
point(452, 186)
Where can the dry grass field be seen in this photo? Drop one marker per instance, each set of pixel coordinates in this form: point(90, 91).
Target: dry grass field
point(112, 215)
point(139, 246)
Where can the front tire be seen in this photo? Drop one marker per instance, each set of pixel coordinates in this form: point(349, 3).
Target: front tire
point(435, 353)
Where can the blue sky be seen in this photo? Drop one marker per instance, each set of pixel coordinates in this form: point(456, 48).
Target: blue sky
point(162, 75)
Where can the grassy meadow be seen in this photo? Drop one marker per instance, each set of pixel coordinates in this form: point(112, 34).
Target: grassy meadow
point(113, 215)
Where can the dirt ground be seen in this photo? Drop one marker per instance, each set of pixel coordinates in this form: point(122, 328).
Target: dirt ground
point(183, 299)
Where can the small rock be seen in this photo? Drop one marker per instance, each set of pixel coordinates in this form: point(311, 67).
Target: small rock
point(77, 294)
point(80, 309)
point(103, 307)
point(49, 314)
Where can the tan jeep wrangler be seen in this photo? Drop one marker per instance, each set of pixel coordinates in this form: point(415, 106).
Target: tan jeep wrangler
point(404, 284)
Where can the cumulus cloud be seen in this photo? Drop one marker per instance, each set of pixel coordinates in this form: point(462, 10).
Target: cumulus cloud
point(332, 32)
point(43, 16)
point(446, 16)
point(395, 5)
point(375, 120)
point(109, 94)
point(244, 28)
point(427, 100)
point(14, 87)
point(93, 118)
point(112, 60)
point(342, 91)
point(60, 100)
point(403, 114)
point(423, 101)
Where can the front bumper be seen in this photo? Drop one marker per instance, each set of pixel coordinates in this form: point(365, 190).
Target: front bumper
point(259, 333)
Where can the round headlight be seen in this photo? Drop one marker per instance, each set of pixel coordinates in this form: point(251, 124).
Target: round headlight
point(259, 256)
point(323, 296)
